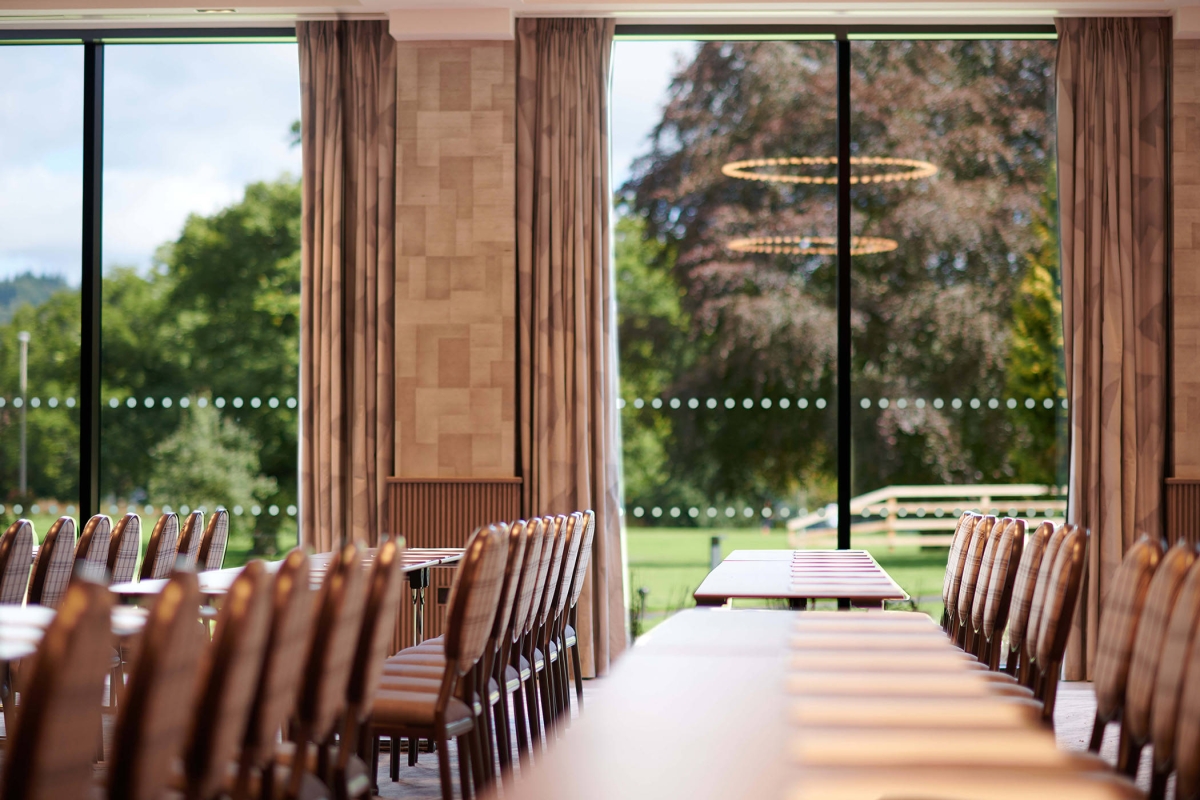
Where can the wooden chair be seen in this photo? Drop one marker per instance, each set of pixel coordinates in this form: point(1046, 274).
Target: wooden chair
point(53, 566)
point(1186, 751)
point(542, 676)
point(1054, 624)
point(189, 540)
point(16, 558)
point(91, 551)
point(984, 527)
point(227, 684)
point(954, 566)
point(156, 708)
point(1147, 654)
point(331, 652)
point(123, 548)
point(989, 613)
point(216, 539)
point(978, 592)
point(1118, 627)
point(51, 748)
point(535, 549)
point(447, 713)
point(1168, 682)
point(350, 777)
point(1022, 594)
point(570, 633)
point(559, 694)
point(278, 681)
point(530, 656)
point(162, 549)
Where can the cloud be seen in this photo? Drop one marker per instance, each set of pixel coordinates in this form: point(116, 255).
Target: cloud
point(642, 72)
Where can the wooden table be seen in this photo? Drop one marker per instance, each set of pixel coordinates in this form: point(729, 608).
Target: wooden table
point(720, 703)
point(415, 563)
point(799, 576)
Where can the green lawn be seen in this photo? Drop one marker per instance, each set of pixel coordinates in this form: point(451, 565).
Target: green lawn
point(671, 562)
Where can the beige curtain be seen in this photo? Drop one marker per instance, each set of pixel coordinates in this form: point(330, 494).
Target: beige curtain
point(347, 261)
point(567, 367)
point(1112, 168)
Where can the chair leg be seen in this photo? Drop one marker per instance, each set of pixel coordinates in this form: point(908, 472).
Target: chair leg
point(500, 723)
point(578, 674)
point(394, 758)
point(478, 753)
point(413, 750)
point(1097, 735)
point(1158, 784)
point(374, 764)
point(1129, 754)
point(531, 705)
point(464, 767)
point(545, 687)
point(521, 725)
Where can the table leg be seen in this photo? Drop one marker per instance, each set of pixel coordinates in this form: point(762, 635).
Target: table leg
point(417, 581)
point(798, 603)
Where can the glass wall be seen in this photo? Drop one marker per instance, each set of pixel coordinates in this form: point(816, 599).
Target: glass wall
point(41, 159)
point(201, 268)
point(726, 286)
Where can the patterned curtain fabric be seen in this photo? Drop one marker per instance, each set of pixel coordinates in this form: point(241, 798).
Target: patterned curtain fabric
point(1112, 173)
point(567, 333)
point(347, 267)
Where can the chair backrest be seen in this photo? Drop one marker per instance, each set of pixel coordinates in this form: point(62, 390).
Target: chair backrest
point(1119, 617)
point(283, 658)
point(561, 534)
point(152, 720)
point(1187, 732)
point(1172, 667)
point(955, 561)
point(562, 594)
point(549, 531)
point(190, 534)
point(227, 681)
point(16, 558)
point(992, 605)
point(331, 648)
point(585, 557)
point(472, 611)
point(91, 551)
point(1026, 579)
point(162, 548)
point(971, 566)
point(53, 566)
point(124, 547)
point(991, 549)
point(518, 536)
point(216, 539)
point(535, 531)
point(50, 752)
point(1062, 594)
point(378, 627)
point(1150, 643)
point(1033, 627)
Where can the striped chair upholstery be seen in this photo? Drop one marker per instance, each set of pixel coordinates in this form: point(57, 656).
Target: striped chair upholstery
point(992, 606)
point(1187, 741)
point(16, 557)
point(1022, 593)
point(983, 581)
point(1181, 628)
point(1120, 614)
point(190, 534)
point(1033, 627)
point(558, 527)
point(216, 539)
point(123, 549)
point(162, 548)
point(971, 567)
point(532, 561)
point(1148, 650)
point(954, 564)
point(91, 552)
point(55, 561)
point(1062, 595)
point(466, 640)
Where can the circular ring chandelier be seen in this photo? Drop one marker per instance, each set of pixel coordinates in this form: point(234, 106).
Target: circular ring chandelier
point(751, 169)
point(811, 245)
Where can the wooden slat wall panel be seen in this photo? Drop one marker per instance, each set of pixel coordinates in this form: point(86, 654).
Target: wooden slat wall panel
point(443, 512)
point(1183, 510)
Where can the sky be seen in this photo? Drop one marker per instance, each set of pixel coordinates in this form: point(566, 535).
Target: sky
point(186, 128)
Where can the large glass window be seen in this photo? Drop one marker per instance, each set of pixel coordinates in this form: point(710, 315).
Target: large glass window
point(41, 150)
point(200, 337)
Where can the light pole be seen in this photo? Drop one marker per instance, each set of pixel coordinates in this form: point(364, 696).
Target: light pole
point(23, 338)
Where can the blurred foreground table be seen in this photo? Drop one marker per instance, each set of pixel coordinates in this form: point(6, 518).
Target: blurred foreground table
point(799, 576)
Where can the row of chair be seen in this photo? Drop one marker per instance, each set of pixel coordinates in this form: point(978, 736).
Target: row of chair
point(510, 631)
point(105, 549)
point(1146, 668)
point(204, 717)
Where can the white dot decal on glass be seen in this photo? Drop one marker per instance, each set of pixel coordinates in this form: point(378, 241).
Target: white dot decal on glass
point(291, 510)
point(656, 403)
point(956, 403)
point(785, 512)
point(802, 403)
point(2, 401)
point(130, 402)
point(766, 512)
point(184, 402)
point(112, 509)
point(53, 509)
point(273, 402)
point(638, 512)
point(712, 512)
point(656, 512)
point(675, 512)
point(148, 402)
point(901, 403)
point(821, 402)
point(35, 509)
point(237, 402)
point(202, 401)
point(255, 510)
point(939, 403)
point(747, 512)
point(17, 508)
point(993, 403)
point(18, 402)
point(273, 510)
point(675, 402)
point(70, 402)
point(149, 510)
point(1064, 402)
point(766, 402)
point(620, 402)
point(729, 512)
point(291, 402)
point(237, 511)
point(1030, 402)
point(35, 402)
point(975, 402)
point(167, 510)
point(70, 509)
point(711, 403)
point(920, 403)
point(1011, 403)
point(184, 509)
point(693, 512)
point(865, 403)
point(784, 402)
point(693, 403)
point(52, 402)
point(730, 402)
point(747, 403)
point(166, 402)
point(639, 403)
point(883, 402)
point(255, 402)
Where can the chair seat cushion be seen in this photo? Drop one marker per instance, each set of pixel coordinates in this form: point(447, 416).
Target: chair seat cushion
point(512, 679)
point(428, 659)
point(569, 637)
point(539, 660)
point(409, 709)
point(402, 670)
point(553, 652)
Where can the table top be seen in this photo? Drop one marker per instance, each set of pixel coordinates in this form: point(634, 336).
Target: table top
point(799, 574)
point(22, 627)
point(217, 582)
point(717, 703)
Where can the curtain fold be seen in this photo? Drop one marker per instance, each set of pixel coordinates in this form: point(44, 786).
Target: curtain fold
point(1113, 112)
point(347, 274)
point(567, 364)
